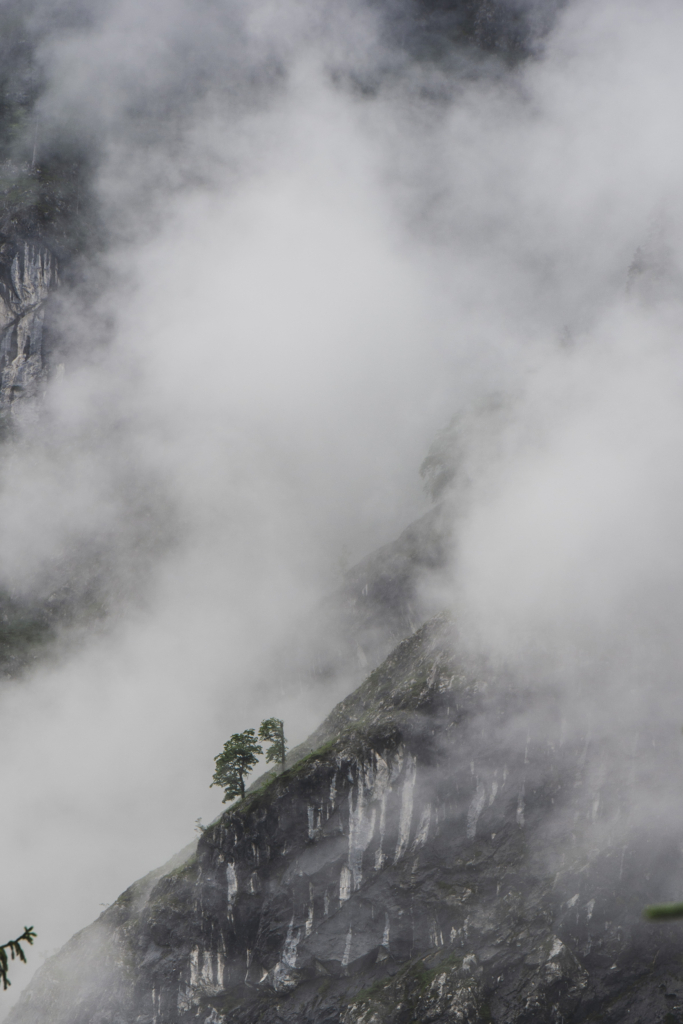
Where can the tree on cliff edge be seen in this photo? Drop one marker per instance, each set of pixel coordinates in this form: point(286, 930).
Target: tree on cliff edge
point(272, 730)
point(238, 757)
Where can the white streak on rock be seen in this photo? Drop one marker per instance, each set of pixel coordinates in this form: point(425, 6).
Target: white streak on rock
point(309, 919)
point(422, 833)
point(344, 884)
point(379, 854)
point(194, 966)
point(475, 809)
point(397, 765)
point(291, 942)
point(347, 949)
point(361, 825)
point(206, 978)
point(520, 809)
point(406, 815)
point(231, 878)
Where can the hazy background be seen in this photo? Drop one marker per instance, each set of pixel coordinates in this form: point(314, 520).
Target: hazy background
point(317, 250)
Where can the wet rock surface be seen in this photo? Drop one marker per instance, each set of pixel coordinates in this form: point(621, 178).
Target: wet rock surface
point(28, 274)
point(426, 862)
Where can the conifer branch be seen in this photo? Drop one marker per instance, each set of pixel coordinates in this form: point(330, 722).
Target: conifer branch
point(15, 952)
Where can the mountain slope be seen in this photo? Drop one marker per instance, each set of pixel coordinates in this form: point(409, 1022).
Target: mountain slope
point(419, 865)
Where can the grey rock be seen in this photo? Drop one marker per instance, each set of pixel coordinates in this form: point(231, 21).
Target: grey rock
point(28, 274)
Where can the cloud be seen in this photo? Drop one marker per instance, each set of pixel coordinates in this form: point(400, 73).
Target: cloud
point(318, 250)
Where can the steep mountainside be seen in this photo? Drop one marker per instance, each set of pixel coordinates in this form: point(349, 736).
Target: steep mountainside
point(427, 862)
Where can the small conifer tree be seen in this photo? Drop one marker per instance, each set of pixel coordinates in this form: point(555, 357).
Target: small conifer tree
point(237, 758)
point(272, 730)
point(15, 952)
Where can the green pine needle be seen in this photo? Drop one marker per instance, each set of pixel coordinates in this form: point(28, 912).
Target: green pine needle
point(663, 911)
point(16, 952)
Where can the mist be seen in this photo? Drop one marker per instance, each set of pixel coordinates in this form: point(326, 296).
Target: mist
point(316, 249)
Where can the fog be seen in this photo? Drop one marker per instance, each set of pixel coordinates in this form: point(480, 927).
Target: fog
point(317, 249)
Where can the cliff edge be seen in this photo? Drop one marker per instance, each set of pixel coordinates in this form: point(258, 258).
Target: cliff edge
point(427, 861)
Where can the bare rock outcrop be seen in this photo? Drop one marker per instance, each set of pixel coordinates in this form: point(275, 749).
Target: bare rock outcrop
point(28, 274)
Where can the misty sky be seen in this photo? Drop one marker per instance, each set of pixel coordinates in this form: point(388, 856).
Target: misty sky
point(318, 250)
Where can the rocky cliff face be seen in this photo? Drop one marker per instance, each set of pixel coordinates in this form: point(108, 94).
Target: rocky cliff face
point(28, 274)
point(426, 862)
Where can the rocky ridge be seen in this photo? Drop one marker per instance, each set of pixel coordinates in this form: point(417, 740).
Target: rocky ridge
point(425, 862)
point(376, 604)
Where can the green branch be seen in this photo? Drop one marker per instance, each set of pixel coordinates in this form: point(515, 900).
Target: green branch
point(15, 952)
point(663, 911)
